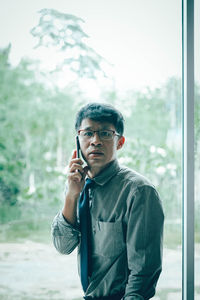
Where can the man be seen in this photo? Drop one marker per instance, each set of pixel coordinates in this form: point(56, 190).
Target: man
point(120, 251)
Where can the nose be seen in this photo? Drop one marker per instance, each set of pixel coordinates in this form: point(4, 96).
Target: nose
point(95, 140)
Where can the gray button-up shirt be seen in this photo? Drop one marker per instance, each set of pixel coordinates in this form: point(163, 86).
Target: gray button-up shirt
point(127, 228)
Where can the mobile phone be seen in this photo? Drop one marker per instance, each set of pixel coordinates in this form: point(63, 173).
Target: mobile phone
point(78, 152)
point(78, 149)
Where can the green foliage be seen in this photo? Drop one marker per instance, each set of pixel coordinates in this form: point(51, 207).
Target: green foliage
point(149, 109)
point(36, 132)
point(63, 33)
point(11, 157)
point(37, 119)
point(162, 166)
point(153, 143)
point(37, 137)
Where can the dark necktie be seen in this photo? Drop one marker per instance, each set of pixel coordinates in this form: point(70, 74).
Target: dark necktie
point(85, 228)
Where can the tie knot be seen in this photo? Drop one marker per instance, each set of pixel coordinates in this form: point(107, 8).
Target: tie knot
point(89, 182)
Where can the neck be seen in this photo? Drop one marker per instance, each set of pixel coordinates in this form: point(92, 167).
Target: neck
point(94, 171)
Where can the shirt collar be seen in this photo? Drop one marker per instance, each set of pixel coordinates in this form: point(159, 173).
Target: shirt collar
point(107, 173)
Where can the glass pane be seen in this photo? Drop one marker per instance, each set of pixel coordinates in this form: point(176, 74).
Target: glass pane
point(197, 149)
point(153, 130)
point(141, 44)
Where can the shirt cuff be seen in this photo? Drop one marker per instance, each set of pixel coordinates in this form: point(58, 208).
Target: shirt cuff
point(61, 222)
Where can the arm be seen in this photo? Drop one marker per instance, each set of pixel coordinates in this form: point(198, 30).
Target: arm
point(65, 236)
point(76, 180)
point(144, 244)
point(64, 233)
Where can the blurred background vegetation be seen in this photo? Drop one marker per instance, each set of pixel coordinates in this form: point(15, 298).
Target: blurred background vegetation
point(37, 132)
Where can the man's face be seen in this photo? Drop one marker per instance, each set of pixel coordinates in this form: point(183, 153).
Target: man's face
point(97, 152)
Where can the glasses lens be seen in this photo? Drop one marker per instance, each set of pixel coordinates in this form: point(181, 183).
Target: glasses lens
point(106, 134)
point(86, 133)
point(103, 134)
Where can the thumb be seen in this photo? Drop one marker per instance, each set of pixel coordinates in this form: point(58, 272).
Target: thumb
point(85, 170)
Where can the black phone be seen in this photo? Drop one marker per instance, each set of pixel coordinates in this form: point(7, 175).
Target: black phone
point(78, 149)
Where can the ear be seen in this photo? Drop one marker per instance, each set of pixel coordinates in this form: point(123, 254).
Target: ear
point(120, 142)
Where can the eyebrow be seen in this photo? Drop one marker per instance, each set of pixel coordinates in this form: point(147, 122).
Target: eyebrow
point(90, 128)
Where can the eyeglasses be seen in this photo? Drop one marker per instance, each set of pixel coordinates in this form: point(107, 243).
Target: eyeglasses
point(103, 134)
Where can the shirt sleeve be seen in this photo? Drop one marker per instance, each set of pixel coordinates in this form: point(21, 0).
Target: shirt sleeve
point(144, 244)
point(65, 236)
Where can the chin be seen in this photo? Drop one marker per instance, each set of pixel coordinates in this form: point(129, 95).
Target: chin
point(96, 163)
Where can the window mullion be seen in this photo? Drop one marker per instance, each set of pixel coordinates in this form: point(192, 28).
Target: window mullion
point(188, 149)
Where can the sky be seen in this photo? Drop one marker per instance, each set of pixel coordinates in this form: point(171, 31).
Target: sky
point(141, 39)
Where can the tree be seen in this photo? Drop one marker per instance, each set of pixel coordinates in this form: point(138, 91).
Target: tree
point(36, 133)
point(63, 33)
point(11, 137)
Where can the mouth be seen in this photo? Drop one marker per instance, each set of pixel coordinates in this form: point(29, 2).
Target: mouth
point(95, 153)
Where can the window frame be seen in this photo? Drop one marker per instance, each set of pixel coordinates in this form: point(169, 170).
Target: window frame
point(188, 149)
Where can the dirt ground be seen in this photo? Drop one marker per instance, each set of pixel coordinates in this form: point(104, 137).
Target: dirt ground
point(31, 270)
point(37, 271)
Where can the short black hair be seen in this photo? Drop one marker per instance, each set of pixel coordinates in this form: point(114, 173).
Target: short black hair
point(100, 112)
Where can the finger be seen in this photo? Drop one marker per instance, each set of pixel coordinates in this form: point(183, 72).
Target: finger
point(74, 154)
point(75, 161)
point(85, 170)
point(75, 177)
point(73, 157)
point(76, 167)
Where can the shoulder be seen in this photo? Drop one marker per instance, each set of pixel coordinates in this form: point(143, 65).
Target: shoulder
point(135, 184)
point(140, 189)
point(134, 178)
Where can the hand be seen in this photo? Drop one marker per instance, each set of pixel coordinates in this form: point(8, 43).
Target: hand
point(76, 176)
point(76, 180)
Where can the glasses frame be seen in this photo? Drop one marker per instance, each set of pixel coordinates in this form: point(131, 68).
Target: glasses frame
point(97, 131)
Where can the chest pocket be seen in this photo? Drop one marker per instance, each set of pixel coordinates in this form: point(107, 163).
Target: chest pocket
point(108, 238)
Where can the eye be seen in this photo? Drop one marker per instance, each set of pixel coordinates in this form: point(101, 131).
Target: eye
point(88, 133)
point(106, 133)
